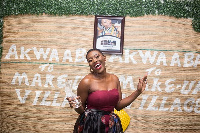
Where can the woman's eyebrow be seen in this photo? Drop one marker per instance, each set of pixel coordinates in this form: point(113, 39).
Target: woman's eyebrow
point(93, 56)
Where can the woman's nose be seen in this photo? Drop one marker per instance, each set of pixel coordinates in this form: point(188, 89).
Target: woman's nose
point(95, 59)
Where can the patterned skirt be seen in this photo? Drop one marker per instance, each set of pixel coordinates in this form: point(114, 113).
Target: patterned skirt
point(97, 121)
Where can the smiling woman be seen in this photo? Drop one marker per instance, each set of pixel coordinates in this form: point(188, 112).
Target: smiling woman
point(100, 93)
point(97, 64)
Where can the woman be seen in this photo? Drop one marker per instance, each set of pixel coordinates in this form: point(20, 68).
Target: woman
point(100, 93)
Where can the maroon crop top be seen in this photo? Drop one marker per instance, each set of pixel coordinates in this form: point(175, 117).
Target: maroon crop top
point(103, 100)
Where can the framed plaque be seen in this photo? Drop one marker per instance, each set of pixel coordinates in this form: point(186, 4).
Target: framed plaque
point(109, 34)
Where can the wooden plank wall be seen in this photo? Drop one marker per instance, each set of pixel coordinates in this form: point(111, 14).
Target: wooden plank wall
point(166, 47)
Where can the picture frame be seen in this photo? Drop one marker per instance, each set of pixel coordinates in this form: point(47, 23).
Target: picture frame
point(109, 34)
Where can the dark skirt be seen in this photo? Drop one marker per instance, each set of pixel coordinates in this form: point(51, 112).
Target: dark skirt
point(96, 121)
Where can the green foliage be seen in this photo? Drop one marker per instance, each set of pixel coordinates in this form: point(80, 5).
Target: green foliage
point(177, 8)
point(1, 37)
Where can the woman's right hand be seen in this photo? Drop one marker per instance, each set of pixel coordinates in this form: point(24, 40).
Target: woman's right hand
point(142, 84)
point(74, 102)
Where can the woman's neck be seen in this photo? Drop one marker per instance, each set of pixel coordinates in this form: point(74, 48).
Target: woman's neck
point(102, 75)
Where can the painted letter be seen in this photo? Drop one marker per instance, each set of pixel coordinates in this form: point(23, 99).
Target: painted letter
point(44, 99)
point(125, 81)
point(41, 51)
point(12, 51)
point(150, 107)
point(156, 84)
point(197, 88)
point(197, 106)
point(147, 55)
point(22, 100)
point(80, 55)
point(197, 61)
point(20, 77)
point(61, 81)
point(54, 54)
point(36, 78)
point(37, 95)
point(192, 100)
point(129, 56)
point(67, 55)
point(49, 79)
point(25, 53)
point(167, 89)
point(188, 58)
point(112, 57)
point(183, 90)
point(162, 58)
point(176, 103)
point(55, 99)
point(175, 59)
point(162, 106)
point(144, 99)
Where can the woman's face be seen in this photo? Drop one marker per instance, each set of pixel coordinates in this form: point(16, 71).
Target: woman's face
point(96, 61)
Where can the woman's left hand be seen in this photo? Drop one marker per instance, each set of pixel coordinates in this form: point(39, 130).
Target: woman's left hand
point(142, 84)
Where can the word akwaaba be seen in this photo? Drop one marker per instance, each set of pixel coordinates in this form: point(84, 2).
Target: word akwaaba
point(190, 59)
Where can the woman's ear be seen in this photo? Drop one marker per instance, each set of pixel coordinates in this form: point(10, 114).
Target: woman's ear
point(104, 57)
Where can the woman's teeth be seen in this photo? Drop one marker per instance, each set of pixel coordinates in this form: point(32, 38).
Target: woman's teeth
point(97, 66)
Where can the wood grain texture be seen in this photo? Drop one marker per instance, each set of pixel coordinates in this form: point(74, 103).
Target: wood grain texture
point(161, 36)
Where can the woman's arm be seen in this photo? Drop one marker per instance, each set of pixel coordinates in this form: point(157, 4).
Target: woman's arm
point(82, 94)
point(128, 100)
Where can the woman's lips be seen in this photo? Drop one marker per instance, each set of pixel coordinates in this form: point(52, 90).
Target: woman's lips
point(97, 66)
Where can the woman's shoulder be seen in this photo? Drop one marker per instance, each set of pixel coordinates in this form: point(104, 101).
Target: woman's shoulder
point(113, 76)
point(87, 78)
point(85, 82)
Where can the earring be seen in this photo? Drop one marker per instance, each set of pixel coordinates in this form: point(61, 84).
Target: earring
point(91, 70)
